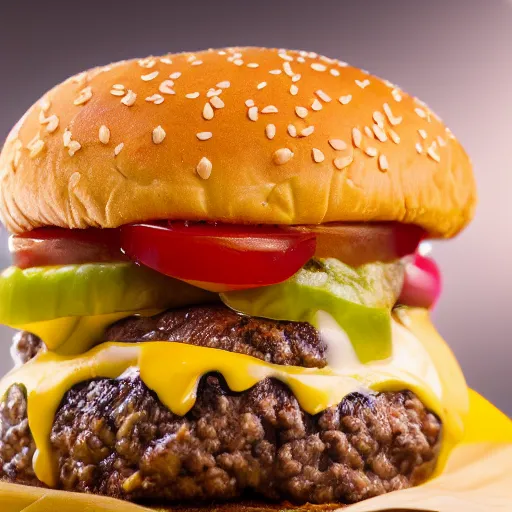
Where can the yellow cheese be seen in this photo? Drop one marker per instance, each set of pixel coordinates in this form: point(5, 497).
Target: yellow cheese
point(76, 334)
point(173, 370)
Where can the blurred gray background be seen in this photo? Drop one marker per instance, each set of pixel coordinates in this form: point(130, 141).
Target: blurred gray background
point(456, 55)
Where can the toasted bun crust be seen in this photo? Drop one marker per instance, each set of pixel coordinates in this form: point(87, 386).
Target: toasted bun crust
point(176, 137)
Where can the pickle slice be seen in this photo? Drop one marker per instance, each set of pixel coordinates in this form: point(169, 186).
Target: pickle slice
point(359, 299)
point(45, 293)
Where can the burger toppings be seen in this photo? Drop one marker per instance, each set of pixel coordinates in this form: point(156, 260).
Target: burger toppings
point(359, 301)
point(354, 244)
point(47, 378)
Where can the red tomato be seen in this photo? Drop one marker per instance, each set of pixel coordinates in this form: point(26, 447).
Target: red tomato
point(356, 244)
point(58, 246)
point(219, 254)
point(422, 285)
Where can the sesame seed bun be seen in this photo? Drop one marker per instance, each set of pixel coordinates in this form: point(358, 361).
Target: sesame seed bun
point(242, 135)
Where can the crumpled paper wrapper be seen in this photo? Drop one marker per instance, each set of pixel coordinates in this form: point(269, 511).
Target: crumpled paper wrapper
point(477, 478)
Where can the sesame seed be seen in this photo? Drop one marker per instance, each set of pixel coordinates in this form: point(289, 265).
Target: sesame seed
point(157, 99)
point(270, 131)
point(148, 62)
point(323, 96)
point(368, 132)
point(119, 87)
point(158, 135)
point(80, 78)
point(213, 92)
point(431, 152)
point(287, 68)
point(423, 133)
point(420, 112)
point(383, 163)
point(441, 141)
point(345, 100)
point(197, 63)
point(165, 60)
point(129, 99)
point(253, 113)
point(275, 71)
point(42, 117)
point(302, 112)
point(224, 85)
point(217, 102)
point(294, 90)
point(45, 104)
point(118, 148)
point(52, 123)
point(296, 78)
point(371, 151)
point(117, 92)
point(175, 75)
point(391, 118)
point(363, 83)
point(166, 87)
point(261, 85)
point(301, 60)
point(318, 67)
point(204, 135)
point(379, 133)
point(379, 118)
point(192, 95)
point(36, 148)
point(204, 168)
point(238, 62)
point(73, 147)
point(269, 109)
point(208, 111)
point(282, 156)
point(342, 161)
point(316, 105)
point(334, 72)
point(307, 131)
point(292, 131)
point(317, 155)
point(337, 144)
point(357, 137)
point(191, 58)
point(419, 147)
point(394, 136)
point(66, 138)
point(249, 103)
point(84, 96)
point(222, 52)
point(104, 134)
point(149, 76)
point(253, 65)
point(396, 95)
point(286, 57)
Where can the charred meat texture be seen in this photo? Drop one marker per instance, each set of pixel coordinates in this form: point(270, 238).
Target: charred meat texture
point(114, 437)
point(214, 326)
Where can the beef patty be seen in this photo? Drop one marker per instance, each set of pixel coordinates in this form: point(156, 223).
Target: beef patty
point(114, 437)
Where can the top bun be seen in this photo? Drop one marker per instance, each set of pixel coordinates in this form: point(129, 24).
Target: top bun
point(241, 135)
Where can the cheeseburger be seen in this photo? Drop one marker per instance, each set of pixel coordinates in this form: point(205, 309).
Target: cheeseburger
point(220, 283)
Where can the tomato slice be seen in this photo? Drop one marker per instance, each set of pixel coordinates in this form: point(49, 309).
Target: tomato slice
point(58, 246)
point(357, 244)
point(218, 254)
point(422, 284)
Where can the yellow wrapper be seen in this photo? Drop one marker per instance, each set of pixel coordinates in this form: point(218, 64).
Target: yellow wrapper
point(477, 478)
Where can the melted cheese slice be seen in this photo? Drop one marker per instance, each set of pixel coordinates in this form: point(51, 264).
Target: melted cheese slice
point(172, 371)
